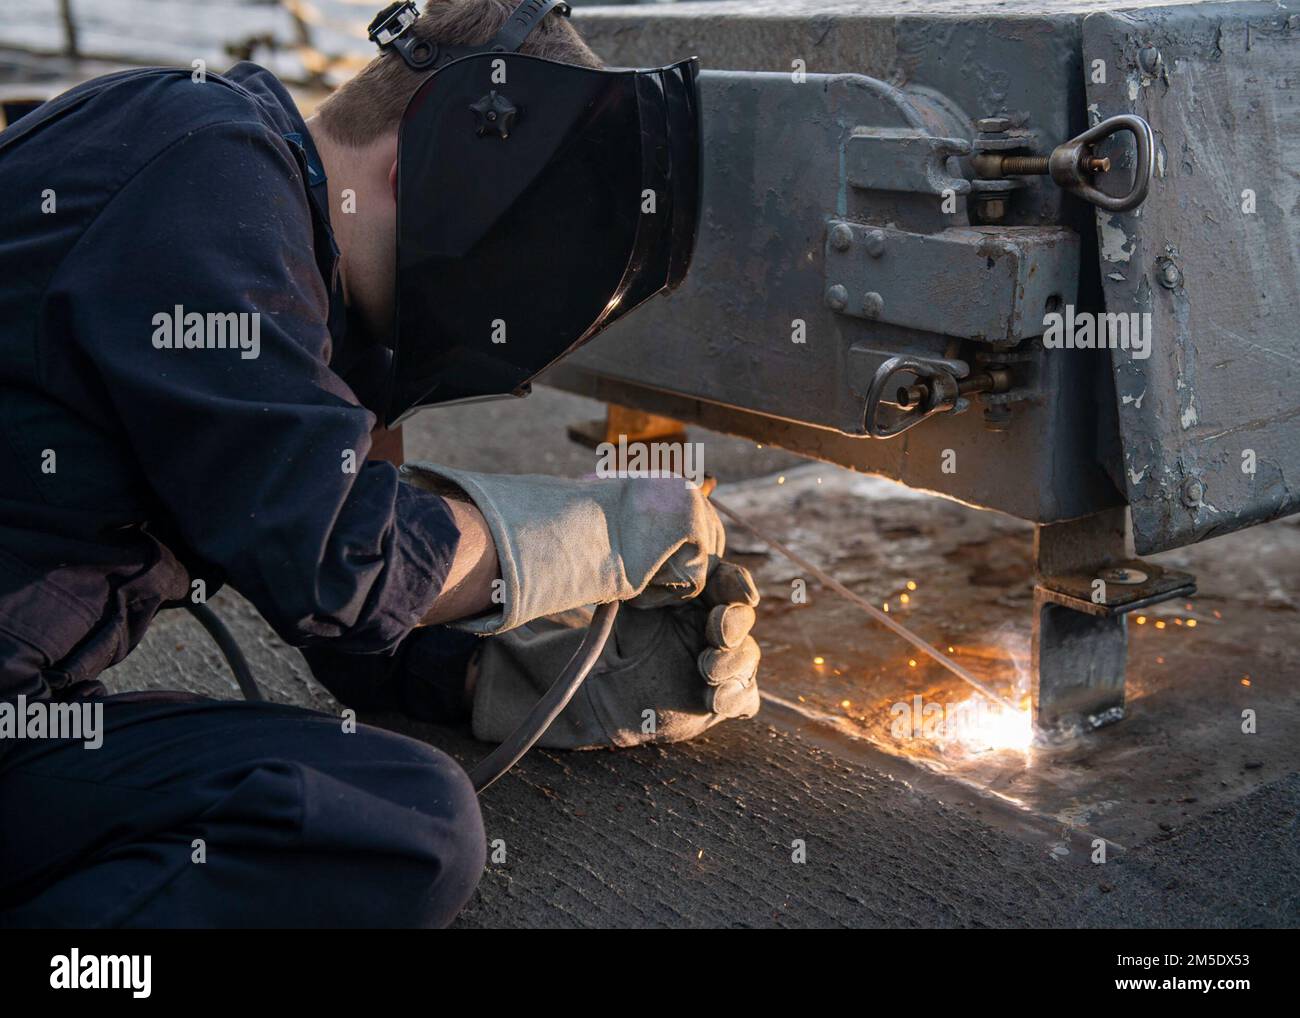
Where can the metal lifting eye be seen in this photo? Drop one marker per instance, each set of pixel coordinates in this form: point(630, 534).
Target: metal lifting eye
point(1072, 163)
point(922, 388)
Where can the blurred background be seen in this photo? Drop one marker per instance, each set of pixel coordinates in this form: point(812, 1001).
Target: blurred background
point(313, 45)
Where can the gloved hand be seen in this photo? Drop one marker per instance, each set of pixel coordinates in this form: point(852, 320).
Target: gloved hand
point(562, 544)
point(666, 675)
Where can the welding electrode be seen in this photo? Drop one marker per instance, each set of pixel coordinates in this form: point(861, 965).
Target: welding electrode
point(548, 708)
point(870, 609)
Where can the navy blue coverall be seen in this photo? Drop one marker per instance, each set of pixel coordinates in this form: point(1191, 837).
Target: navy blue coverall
point(129, 469)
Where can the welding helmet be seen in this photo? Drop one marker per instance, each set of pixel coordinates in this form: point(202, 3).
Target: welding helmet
point(537, 202)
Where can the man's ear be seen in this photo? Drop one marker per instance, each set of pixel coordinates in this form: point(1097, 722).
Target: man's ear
point(392, 178)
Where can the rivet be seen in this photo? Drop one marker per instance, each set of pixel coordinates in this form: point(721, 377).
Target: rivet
point(1168, 273)
point(837, 298)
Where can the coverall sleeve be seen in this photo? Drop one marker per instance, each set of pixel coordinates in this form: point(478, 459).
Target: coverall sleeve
point(256, 454)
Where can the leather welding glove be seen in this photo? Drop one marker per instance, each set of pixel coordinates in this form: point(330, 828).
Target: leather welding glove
point(666, 675)
point(562, 544)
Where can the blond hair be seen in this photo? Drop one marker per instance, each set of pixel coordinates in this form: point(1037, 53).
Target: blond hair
point(371, 104)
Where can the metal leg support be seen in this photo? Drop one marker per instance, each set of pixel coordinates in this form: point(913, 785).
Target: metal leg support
point(1086, 585)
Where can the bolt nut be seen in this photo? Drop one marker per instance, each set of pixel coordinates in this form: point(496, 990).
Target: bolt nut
point(873, 304)
point(841, 237)
point(875, 243)
point(993, 125)
point(1149, 59)
point(991, 210)
point(1193, 492)
point(1168, 273)
point(837, 297)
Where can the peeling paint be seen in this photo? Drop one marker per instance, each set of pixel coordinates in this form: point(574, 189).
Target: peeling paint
point(1115, 243)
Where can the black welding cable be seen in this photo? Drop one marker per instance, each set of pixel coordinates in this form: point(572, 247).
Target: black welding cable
point(520, 741)
point(210, 621)
point(548, 708)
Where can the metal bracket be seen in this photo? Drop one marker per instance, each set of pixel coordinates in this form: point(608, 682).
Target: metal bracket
point(990, 284)
point(903, 159)
point(1126, 587)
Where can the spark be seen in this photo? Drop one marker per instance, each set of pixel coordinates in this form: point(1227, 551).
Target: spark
point(1142, 620)
point(886, 606)
point(911, 662)
point(1245, 680)
point(904, 598)
point(819, 660)
point(1191, 623)
point(911, 584)
point(1160, 624)
point(846, 704)
point(781, 479)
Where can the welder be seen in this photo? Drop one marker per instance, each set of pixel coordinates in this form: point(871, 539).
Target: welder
point(214, 315)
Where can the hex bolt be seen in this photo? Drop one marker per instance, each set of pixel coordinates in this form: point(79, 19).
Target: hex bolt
point(993, 125)
point(873, 304)
point(837, 297)
point(1124, 575)
point(1168, 273)
point(1193, 492)
point(997, 417)
point(1149, 59)
point(841, 237)
point(875, 243)
point(1020, 166)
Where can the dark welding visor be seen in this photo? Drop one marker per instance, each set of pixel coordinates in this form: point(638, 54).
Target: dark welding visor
point(537, 203)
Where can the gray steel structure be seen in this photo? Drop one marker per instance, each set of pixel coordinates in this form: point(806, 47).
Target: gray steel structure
point(876, 193)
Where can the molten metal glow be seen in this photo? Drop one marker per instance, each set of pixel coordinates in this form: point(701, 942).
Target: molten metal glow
point(995, 728)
